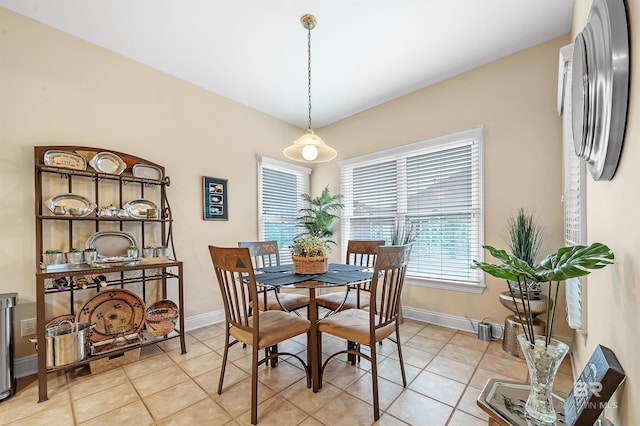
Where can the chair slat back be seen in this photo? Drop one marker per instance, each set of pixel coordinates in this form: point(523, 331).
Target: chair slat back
point(263, 253)
point(386, 284)
point(363, 253)
point(234, 271)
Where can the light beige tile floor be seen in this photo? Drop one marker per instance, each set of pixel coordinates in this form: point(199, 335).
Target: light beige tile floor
point(446, 371)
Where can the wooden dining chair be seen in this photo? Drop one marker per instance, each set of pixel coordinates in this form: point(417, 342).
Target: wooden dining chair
point(366, 327)
point(362, 253)
point(264, 254)
point(259, 329)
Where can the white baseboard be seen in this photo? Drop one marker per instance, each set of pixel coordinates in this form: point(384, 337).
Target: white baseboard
point(450, 321)
point(203, 320)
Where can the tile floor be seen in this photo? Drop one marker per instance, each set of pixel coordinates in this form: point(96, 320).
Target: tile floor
point(446, 370)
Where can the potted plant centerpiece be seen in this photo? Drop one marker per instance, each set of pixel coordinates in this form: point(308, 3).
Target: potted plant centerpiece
point(310, 255)
point(542, 353)
point(310, 250)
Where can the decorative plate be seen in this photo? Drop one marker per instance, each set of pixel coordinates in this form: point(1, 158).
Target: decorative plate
point(114, 261)
point(111, 311)
point(138, 208)
point(146, 171)
point(66, 159)
point(111, 243)
point(72, 201)
point(107, 162)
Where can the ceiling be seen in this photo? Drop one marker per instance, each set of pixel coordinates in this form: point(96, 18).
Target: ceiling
point(364, 52)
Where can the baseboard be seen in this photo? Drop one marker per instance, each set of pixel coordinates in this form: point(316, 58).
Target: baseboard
point(460, 323)
point(450, 321)
point(204, 320)
point(28, 365)
point(25, 366)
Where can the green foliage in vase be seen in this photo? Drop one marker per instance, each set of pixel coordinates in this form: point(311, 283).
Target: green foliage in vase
point(403, 233)
point(52, 251)
point(310, 246)
point(525, 236)
point(320, 213)
point(567, 262)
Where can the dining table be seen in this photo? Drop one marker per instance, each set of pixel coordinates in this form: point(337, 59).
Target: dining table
point(337, 275)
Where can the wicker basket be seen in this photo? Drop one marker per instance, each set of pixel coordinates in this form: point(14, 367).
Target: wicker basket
point(161, 318)
point(310, 265)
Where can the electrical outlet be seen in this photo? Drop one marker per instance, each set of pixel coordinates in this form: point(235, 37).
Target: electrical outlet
point(28, 327)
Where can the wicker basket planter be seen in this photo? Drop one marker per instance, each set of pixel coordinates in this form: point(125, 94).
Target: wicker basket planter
point(310, 265)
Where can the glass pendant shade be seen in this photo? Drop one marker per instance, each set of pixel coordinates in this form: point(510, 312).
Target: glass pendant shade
point(310, 148)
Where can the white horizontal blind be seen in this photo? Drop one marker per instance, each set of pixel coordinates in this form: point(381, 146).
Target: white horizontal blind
point(573, 189)
point(437, 186)
point(280, 186)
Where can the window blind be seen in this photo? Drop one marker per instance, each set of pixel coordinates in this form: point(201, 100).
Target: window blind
point(435, 185)
point(279, 188)
point(573, 190)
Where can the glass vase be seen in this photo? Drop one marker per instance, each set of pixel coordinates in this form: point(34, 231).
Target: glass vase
point(543, 362)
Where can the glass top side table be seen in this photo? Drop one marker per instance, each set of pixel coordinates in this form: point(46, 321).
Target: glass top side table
point(504, 403)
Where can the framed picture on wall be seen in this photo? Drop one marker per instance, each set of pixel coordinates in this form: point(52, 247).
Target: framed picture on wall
point(214, 199)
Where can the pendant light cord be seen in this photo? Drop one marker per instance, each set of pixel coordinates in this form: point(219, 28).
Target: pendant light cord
point(309, 71)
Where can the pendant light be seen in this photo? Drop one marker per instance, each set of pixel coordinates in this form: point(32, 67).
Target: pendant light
point(309, 148)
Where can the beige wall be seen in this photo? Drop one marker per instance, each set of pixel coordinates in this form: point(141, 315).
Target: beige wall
point(57, 89)
point(612, 218)
point(515, 99)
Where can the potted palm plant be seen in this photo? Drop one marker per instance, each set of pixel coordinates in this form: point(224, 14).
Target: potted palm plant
point(310, 249)
point(317, 218)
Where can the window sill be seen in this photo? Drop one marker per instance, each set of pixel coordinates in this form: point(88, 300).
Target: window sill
point(460, 286)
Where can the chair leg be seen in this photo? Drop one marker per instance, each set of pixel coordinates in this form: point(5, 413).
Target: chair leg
point(274, 361)
point(254, 386)
point(319, 354)
point(351, 357)
point(404, 378)
point(224, 359)
point(374, 381)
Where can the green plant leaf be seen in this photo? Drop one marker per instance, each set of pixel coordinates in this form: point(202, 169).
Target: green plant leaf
point(575, 261)
point(511, 268)
point(318, 217)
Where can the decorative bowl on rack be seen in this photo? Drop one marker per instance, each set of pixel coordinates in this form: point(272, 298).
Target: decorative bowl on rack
point(161, 317)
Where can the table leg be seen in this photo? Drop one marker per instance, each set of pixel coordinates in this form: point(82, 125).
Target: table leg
point(313, 355)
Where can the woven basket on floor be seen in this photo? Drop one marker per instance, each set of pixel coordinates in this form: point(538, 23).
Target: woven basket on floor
point(310, 265)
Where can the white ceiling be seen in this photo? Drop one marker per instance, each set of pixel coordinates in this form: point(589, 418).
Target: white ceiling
point(364, 52)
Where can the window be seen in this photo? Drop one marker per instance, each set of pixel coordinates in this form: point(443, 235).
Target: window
point(573, 190)
point(436, 185)
point(279, 187)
